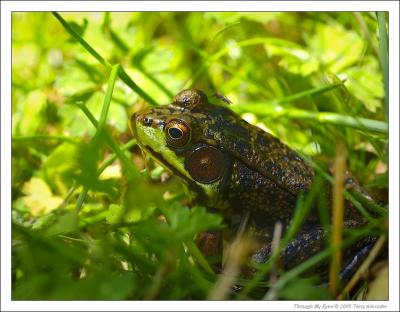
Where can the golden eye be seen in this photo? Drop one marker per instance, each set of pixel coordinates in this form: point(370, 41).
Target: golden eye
point(177, 133)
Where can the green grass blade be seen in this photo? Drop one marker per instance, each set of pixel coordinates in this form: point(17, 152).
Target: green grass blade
point(273, 111)
point(44, 137)
point(309, 93)
point(125, 78)
point(131, 170)
point(81, 199)
point(383, 56)
point(110, 160)
point(157, 82)
point(78, 38)
point(121, 72)
point(196, 253)
point(107, 98)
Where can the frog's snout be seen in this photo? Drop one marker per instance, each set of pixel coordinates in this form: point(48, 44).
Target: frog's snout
point(141, 119)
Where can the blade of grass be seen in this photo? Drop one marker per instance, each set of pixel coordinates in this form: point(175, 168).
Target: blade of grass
point(115, 38)
point(357, 199)
point(347, 194)
point(44, 137)
point(337, 216)
point(100, 125)
point(309, 93)
point(81, 199)
point(157, 82)
point(373, 206)
point(383, 56)
point(264, 110)
point(196, 253)
point(237, 253)
point(129, 82)
point(364, 29)
point(121, 72)
point(107, 99)
point(257, 41)
point(110, 160)
point(225, 29)
point(274, 272)
point(131, 170)
point(78, 38)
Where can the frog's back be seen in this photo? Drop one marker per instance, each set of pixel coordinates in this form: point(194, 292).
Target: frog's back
point(260, 151)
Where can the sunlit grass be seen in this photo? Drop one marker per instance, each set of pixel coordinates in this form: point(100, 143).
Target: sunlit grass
point(133, 237)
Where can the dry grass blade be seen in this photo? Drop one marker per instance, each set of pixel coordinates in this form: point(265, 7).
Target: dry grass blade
point(237, 254)
point(272, 293)
point(162, 270)
point(337, 215)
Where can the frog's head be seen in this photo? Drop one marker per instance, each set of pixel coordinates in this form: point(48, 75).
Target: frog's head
point(176, 136)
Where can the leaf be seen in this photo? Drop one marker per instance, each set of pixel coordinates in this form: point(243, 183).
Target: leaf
point(39, 198)
point(142, 197)
point(366, 84)
point(75, 82)
point(31, 112)
point(187, 222)
point(43, 221)
point(70, 163)
point(336, 47)
point(294, 59)
point(60, 165)
point(117, 214)
point(65, 223)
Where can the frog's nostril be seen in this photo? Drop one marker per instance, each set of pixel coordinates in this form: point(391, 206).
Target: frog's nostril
point(143, 119)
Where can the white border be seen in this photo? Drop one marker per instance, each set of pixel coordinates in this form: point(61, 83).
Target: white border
point(9, 6)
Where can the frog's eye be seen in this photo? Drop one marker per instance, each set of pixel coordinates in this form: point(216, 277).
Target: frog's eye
point(177, 133)
point(190, 98)
point(206, 164)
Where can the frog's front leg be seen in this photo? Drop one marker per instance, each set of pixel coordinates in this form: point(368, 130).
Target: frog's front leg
point(210, 244)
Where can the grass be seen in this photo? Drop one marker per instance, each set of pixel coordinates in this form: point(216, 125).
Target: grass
point(121, 72)
point(383, 56)
point(117, 237)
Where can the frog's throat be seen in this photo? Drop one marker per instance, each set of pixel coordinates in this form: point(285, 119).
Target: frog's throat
point(159, 158)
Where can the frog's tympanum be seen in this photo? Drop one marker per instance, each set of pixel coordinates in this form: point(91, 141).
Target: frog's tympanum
point(236, 168)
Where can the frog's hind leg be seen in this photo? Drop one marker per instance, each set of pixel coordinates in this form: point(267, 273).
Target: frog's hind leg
point(354, 263)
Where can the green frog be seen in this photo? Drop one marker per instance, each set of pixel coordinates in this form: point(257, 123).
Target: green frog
point(237, 169)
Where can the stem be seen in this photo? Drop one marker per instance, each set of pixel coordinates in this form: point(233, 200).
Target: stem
point(265, 110)
point(383, 57)
point(337, 216)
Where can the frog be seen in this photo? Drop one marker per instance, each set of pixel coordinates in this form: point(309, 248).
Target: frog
point(242, 172)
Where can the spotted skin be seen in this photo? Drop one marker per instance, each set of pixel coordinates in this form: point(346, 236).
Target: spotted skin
point(261, 174)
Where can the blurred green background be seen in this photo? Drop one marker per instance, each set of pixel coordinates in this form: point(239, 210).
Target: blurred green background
point(88, 218)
